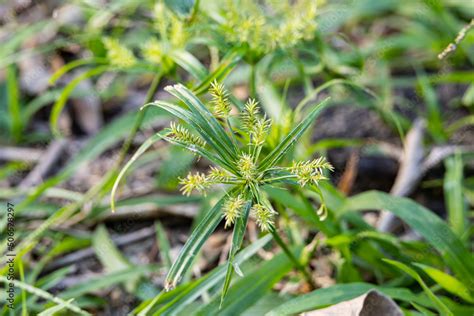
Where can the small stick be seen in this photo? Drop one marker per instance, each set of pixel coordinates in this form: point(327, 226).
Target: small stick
point(453, 46)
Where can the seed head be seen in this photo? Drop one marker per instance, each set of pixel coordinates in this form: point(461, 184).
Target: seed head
point(182, 134)
point(232, 209)
point(152, 51)
point(198, 182)
point(310, 171)
point(220, 100)
point(250, 115)
point(118, 54)
point(247, 167)
point(218, 175)
point(259, 131)
point(263, 216)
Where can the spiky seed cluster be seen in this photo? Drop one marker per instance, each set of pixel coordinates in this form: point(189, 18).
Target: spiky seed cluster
point(254, 124)
point(233, 209)
point(221, 106)
point(263, 216)
point(197, 181)
point(247, 167)
point(182, 134)
point(152, 51)
point(119, 55)
point(258, 133)
point(250, 114)
point(310, 171)
point(218, 175)
point(251, 22)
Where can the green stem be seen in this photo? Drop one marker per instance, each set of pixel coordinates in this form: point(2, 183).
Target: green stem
point(141, 115)
point(253, 83)
point(293, 259)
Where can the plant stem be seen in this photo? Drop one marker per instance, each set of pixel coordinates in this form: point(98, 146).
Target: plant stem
point(293, 259)
point(141, 115)
point(253, 83)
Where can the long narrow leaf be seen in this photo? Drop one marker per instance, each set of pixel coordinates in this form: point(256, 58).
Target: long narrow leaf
point(200, 110)
point(183, 295)
point(442, 309)
point(447, 282)
point(199, 235)
point(424, 222)
point(292, 137)
point(150, 141)
point(61, 102)
point(237, 238)
point(198, 125)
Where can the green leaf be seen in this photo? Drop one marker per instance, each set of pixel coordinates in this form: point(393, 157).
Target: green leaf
point(163, 244)
point(150, 141)
point(447, 282)
point(107, 280)
point(199, 235)
point(292, 137)
point(248, 290)
point(237, 238)
point(180, 7)
point(61, 102)
point(442, 309)
point(229, 61)
point(452, 185)
point(55, 309)
point(424, 222)
point(183, 295)
point(16, 125)
point(189, 63)
point(43, 294)
point(208, 122)
point(338, 293)
point(74, 64)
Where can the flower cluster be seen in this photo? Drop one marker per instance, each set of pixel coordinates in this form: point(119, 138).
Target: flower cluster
point(197, 181)
point(238, 158)
point(251, 22)
point(233, 209)
point(310, 171)
point(221, 106)
point(181, 134)
point(118, 54)
point(247, 167)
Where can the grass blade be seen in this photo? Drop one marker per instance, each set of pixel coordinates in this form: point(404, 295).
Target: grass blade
point(189, 63)
point(163, 245)
point(423, 221)
point(237, 238)
point(200, 111)
point(16, 125)
point(61, 102)
point(43, 294)
point(248, 290)
point(199, 235)
point(150, 141)
point(447, 282)
point(457, 213)
point(442, 309)
point(292, 137)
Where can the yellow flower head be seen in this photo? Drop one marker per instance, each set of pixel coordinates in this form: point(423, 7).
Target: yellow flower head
point(247, 167)
point(119, 55)
point(198, 182)
point(263, 216)
point(221, 106)
point(310, 171)
point(232, 209)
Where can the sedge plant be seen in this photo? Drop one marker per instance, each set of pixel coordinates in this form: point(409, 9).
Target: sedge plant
point(235, 145)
